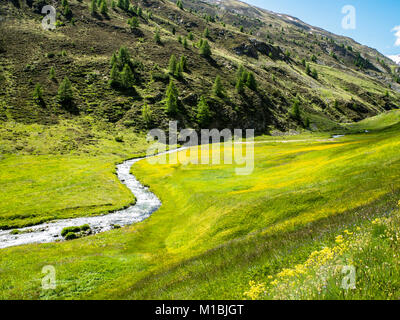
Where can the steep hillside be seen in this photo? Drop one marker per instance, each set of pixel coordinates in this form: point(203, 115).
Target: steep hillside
point(304, 77)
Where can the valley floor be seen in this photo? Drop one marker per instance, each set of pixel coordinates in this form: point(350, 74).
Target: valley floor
point(312, 205)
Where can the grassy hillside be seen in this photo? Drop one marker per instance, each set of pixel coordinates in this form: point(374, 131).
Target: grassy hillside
point(216, 231)
point(332, 79)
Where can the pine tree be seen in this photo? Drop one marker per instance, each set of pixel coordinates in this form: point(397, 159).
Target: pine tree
point(308, 69)
point(133, 23)
point(113, 60)
point(127, 77)
point(190, 36)
point(178, 70)
point(52, 73)
point(139, 11)
point(205, 49)
point(183, 63)
point(203, 112)
point(147, 115)
point(251, 81)
point(206, 33)
point(103, 7)
point(123, 57)
point(93, 7)
point(65, 94)
point(296, 110)
point(114, 76)
point(218, 89)
point(157, 37)
point(171, 103)
point(241, 79)
point(38, 94)
point(126, 5)
point(241, 29)
point(314, 74)
point(179, 4)
point(172, 64)
point(307, 123)
point(240, 85)
point(113, 5)
point(180, 39)
point(185, 43)
point(121, 4)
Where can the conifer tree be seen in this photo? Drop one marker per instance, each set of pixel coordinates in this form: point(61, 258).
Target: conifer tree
point(178, 70)
point(38, 94)
point(206, 33)
point(296, 110)
point(157, 37)
point(171, 103)
point(218, 89)
point(123, 57)
point(52, 73)
point(241, 79)
point(65, 94)
point(126, 5)
point(203, 112)
point(190, 36)
point(113, 60)
point(93, 7)
point(172, 64)
point(179, 4)
point(147, 115)
point(185, 43)
point(314, 74)
point(103, 7)
point(183, 63)
point(205, 49)
point(251, 81)
point(133, 23)
point(114, 76)
point(127, 77)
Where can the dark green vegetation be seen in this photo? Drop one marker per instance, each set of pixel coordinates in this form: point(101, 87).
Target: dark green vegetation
point(68, 70)
point(73, 103)
point(70, 233)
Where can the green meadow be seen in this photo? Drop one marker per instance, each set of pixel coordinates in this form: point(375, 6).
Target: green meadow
point(311, 203)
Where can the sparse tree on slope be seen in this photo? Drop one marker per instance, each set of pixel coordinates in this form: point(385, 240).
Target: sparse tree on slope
point(203, 112)
point(218, 89)
point(171, 103)
point(65, 94)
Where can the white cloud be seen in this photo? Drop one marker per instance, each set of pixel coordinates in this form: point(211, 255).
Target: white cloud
point(397, 35)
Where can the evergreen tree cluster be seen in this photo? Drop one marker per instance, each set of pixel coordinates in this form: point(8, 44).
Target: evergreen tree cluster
point(175, 67)
point(245, 78)
point(122, 70)
point(205, 49)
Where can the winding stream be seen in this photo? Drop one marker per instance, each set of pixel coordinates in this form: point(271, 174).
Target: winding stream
point(146, 203)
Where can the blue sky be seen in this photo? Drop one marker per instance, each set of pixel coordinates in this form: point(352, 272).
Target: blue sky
point(375, 19)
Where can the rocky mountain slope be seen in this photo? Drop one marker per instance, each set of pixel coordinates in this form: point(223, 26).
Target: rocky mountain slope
point(276, 72)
